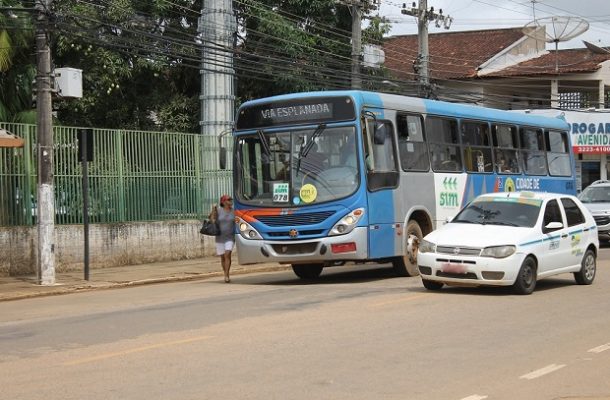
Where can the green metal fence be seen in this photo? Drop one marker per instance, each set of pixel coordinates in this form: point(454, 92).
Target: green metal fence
point(134, 176)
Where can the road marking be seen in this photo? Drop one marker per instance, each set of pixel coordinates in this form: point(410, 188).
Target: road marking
point(402, 299)
point(474, 397)
point(542, 371)
point(599, 349)
point(135, 350)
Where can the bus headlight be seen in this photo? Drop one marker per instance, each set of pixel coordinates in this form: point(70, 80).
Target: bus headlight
point(246, 230)
point(347, 223)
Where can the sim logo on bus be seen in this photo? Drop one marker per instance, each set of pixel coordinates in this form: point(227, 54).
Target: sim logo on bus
point(449, 199)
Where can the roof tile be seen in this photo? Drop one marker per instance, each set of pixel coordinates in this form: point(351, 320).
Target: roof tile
point(456, 55)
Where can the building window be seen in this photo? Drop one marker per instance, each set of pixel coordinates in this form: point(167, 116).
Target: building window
point(576, 100)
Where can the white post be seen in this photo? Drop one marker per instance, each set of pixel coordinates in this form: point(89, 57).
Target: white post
point(217, 28)
point(554, 93)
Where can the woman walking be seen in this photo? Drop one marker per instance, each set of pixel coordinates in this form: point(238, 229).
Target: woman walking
point(226, 240)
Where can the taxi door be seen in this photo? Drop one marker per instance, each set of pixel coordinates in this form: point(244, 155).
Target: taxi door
point(556, 243)
point(578, 237)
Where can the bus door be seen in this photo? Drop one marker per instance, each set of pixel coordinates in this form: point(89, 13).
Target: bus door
point(382, 179)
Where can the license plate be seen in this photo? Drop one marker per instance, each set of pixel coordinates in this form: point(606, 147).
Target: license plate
point(453, 268)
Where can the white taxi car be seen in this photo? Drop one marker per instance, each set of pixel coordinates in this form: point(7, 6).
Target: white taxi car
point(511, 238)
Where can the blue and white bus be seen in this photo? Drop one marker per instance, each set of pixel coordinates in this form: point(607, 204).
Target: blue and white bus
point(322, 178)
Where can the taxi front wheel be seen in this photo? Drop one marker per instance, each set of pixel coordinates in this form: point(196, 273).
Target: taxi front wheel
point(588, 267)
point(526, 279)
point(432, 285)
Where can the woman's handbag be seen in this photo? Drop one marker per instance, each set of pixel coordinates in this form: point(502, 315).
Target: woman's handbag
point(210, 228)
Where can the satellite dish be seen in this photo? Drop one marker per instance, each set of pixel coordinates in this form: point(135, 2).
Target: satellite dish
point(595, 49)
point(556, 29)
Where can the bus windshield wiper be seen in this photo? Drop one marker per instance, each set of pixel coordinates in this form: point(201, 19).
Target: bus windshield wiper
point(264, 142)
point(307, 148)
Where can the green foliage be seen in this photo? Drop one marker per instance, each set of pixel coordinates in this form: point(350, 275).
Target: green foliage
point(17, 70)
point(176, 116)
point(293, 44)
point(140, 60)
point(129, 75)
point(376, 30)
point(298, 45)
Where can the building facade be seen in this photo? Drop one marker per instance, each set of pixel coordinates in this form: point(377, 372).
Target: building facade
point(509, 69)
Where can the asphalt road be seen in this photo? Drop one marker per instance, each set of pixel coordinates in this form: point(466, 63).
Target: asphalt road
point(358, 333)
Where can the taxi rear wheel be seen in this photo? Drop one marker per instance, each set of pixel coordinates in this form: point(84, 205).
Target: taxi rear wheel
point(526, 279)
point(587, 270)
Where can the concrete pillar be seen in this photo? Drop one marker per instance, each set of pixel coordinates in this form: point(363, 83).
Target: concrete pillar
point(554, 93)
point(217, 28)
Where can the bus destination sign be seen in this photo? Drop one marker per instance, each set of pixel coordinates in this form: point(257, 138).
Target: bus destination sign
point(302, 112)
point(295, 112)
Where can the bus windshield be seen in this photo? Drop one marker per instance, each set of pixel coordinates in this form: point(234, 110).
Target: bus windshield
point(298, 167)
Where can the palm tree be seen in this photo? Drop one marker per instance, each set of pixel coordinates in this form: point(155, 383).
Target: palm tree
point(17, 63)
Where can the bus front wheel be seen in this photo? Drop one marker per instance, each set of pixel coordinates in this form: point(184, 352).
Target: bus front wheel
point(407, 264)
point(307, 271)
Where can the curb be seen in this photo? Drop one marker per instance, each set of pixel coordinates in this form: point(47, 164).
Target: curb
point(67, 289)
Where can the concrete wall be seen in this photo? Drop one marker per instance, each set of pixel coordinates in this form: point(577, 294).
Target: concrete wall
point(110, 245)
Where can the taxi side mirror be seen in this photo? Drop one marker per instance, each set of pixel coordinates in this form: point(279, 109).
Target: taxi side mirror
point(552, 226)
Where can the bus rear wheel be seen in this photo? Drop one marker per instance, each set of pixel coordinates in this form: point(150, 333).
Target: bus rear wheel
point(307, 271)
point(407, 264)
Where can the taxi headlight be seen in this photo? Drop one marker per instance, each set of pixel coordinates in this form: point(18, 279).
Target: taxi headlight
point(347, 223)
point(498, 251)
point(246, 230)
point(426, 246)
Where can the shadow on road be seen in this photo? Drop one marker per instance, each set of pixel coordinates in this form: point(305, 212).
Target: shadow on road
point(541, 286)
point(331, 275)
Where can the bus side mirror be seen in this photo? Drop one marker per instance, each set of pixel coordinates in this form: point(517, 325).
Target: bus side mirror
point(378, 135)
point(222, 157)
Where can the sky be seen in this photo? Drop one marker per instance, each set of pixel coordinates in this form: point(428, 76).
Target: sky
point(489, 14)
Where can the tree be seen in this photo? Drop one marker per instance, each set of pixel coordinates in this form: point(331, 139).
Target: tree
point(296, 45)
point(135, 58)
point(17, 68)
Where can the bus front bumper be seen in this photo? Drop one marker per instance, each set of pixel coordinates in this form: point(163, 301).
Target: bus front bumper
point(352, 246)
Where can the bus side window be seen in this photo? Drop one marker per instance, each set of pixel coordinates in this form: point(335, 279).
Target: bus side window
point(411, 144)
point(558, 153)
point(383, 148)
point(533, 151)
point(506, 142)
point(477, 149)
point(380, 159)
point(444, 144)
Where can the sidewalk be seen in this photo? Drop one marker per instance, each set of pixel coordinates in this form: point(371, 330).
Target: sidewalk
point(23, 287)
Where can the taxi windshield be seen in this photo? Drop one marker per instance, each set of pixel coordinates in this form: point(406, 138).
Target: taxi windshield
point(298, 167)
point(500, 211)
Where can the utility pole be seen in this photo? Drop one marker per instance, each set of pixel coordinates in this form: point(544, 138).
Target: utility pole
point(425, 16)
point(356, 12)
point(46, 197)
point(217, 29)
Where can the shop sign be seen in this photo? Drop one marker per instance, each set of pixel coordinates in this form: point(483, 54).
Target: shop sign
point(591, 134)
point(590, 130)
